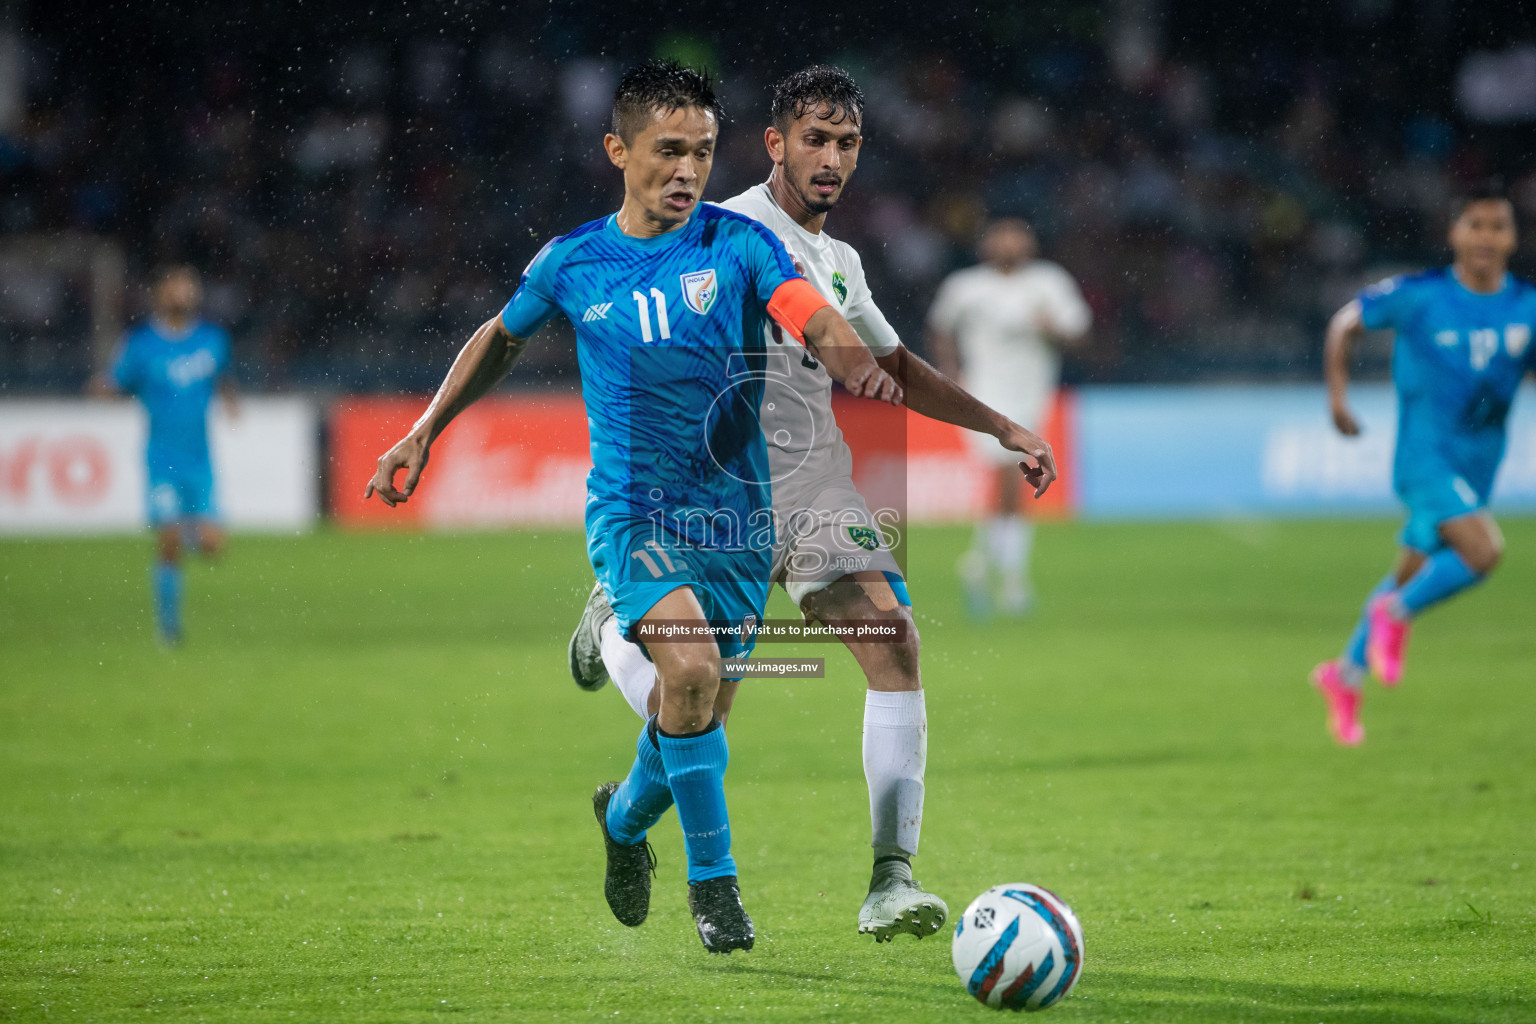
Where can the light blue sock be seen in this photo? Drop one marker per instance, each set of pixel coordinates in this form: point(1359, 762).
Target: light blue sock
point(1443, 575)
point(167, 587)
point(696, 773)
point(643, 797)
point(1353, 661)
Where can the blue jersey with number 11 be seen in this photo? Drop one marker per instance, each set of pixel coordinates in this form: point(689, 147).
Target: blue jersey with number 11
point(669, 336)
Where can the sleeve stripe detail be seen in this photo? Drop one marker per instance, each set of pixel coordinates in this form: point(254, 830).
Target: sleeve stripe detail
point(793, 304)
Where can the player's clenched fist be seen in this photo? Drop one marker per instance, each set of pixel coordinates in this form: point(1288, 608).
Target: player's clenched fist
point(872, 382)
point(410, 454)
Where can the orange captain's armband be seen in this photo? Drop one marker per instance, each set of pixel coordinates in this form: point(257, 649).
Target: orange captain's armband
point(793, 304)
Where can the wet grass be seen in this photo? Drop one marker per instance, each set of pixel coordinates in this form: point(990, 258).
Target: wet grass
point(359, 791)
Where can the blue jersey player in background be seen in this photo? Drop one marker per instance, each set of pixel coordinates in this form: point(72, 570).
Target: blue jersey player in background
point(173, 363)
point(669, 299)
point(1462, 346)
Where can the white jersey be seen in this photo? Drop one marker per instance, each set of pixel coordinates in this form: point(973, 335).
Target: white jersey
point(825, 528)
point(994, 317)
point(797, 406)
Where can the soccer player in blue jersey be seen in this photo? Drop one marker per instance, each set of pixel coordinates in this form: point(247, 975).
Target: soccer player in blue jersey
point(173, 363)
point(1463, 344)
point(813, 140)
point(669, 298)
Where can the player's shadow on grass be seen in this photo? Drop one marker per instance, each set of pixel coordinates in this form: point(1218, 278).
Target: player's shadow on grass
point(1121, 995)
point(941, 990)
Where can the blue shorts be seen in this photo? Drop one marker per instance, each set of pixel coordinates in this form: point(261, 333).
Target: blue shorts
point(1432, 501)
point(178, 493)
point(637, 571)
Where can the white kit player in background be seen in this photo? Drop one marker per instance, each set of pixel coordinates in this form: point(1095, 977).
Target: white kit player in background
point(999, 328)
point(831, 557)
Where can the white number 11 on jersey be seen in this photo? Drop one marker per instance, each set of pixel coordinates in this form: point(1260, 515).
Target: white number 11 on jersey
point(663, 327)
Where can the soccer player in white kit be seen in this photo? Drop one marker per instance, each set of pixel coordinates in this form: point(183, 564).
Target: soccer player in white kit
point(831, 557)
point(999, 327)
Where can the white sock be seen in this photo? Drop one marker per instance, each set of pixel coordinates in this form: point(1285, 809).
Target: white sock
point(972, 568)
point(627, 667)
point(888, 870)
point(895, 754)
point(1010, 539)
point(981, 540)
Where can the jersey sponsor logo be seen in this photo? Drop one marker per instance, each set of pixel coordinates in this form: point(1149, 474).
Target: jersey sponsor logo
point(1447, 339)
point(865, 537)
point(700, 290)
point(1516, 338)
point(188, 370)
point(1465, 492)
point(596, 311)
point(840, 286)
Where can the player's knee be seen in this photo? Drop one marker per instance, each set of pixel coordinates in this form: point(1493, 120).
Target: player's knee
point(694, 675)
point(168, 545)
point(1486, 556)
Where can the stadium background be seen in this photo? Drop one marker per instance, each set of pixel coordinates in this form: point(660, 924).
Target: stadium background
point(358, 791)
point(361, 190)
point(357, 188)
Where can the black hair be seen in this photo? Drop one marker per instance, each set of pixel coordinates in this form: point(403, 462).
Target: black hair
point(660, 85)
point(1486, 191)
point(165, 271)
point(815, 87)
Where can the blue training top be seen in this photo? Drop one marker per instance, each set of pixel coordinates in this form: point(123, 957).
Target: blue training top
point(669, 339)
point(1457, 360)
point(173, 375)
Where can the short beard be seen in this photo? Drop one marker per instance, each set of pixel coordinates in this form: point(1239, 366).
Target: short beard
point(816, 204)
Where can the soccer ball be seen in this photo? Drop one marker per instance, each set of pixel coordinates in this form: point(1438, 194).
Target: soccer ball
point(1018, 947)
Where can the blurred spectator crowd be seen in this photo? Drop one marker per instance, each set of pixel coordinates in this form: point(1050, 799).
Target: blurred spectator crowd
point(359, 205)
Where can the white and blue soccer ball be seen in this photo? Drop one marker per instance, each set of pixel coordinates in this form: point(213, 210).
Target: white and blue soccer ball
point(1018, 947)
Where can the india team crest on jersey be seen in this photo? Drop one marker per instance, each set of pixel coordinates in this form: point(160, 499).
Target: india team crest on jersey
point(700, 290)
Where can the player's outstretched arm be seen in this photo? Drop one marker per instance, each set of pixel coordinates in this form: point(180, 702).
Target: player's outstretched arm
point(1344, 330)
point(936, 396)
point(1061, 335)
point(480, 366)
point(833, 340)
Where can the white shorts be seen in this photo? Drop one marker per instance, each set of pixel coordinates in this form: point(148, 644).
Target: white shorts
point(988, 449)
point(825, 530)
point(1026, 405)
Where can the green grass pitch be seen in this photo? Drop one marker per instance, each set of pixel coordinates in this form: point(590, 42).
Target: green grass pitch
point(360, 791)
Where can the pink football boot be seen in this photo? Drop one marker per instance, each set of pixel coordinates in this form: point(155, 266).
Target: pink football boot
point(1387, 642)
point(1343, 704)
